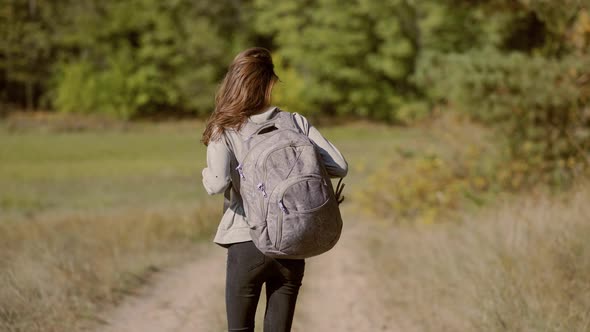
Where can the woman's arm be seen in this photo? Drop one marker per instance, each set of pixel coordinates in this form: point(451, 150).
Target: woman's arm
point(216, 176)
point(333, 160)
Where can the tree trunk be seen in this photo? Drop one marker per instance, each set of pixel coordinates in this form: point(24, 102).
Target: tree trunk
point(32, 7)
point(30, 97)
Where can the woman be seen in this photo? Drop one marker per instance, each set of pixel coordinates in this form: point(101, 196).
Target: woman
point(245, 95)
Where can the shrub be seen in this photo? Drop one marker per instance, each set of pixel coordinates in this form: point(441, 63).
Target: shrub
point(290, 91)
point(428, 184)
point(541, 106)
point(81, 88)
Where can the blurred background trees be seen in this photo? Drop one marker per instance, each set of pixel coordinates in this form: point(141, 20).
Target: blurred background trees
point(139, 56)
point(125, 58)
point(385, 60)
point(521, 66)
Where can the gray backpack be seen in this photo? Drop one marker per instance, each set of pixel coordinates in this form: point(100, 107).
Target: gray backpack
point(289, 201)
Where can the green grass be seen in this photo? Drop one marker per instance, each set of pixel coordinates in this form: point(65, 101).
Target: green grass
point(366, 148)
point(45, 172)
point(147, 165)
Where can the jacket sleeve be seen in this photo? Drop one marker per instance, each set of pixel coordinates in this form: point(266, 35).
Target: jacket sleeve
point(333, 160)
point(216, 176)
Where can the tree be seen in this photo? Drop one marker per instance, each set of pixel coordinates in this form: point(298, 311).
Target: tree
point(143, 56)
point(354, 58)
point(26, 49)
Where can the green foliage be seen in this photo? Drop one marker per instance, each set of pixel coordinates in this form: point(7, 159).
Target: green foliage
point(428, 185)
point(81, 88)
point(557, 18)
point(138, 57)
point(161, 56)
point(353, 59)
point(26, 49)
point(448, 28)
point(119, 57)
point(290, 91)
point(540, 105)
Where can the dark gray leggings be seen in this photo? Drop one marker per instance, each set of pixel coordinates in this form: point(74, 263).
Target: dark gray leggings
point(247, 270)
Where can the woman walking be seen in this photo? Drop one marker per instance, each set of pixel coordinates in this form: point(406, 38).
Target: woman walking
point(245, 96)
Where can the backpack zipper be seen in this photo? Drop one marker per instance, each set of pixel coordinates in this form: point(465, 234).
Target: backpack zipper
point(240, 171)
point(282, 206)
point(262, 188)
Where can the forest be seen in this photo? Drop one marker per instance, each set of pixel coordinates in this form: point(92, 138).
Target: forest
point(385, 60)
point(521, 66)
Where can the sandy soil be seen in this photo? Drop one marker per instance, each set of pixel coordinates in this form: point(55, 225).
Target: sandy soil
point(339, 293)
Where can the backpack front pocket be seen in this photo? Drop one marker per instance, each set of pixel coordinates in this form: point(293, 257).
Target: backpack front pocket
point(304, 194)
point(310, 232)
point(302, 201)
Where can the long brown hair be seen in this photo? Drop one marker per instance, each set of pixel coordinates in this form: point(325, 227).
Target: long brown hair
point(245, 90)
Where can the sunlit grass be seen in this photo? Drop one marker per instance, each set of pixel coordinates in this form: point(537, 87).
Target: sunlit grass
point(522, 265)
point(95, 170)
point(140, 165)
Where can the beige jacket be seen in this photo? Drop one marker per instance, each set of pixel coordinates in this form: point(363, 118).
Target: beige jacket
point(221, 164)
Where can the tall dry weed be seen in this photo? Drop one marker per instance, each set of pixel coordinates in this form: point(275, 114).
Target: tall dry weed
point(523, 266)
point(56, 274)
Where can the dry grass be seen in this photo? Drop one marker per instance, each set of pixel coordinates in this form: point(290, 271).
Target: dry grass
point(523, 266)
point(56, 273)
point(89, 207)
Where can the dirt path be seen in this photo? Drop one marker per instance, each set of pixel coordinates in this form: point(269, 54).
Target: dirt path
point(338, 294)
point(340, 289)
point(188, 298)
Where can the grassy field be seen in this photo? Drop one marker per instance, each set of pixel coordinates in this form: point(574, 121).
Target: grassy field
point(96, 170)
point(88, 212)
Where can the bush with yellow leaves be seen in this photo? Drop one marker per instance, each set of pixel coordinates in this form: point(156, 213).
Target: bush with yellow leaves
point(428, 183)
